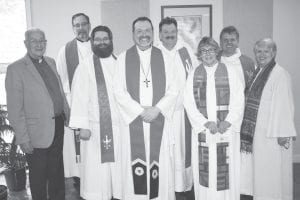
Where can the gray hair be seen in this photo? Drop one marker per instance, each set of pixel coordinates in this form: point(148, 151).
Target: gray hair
point(266, 41)
point(33, 30)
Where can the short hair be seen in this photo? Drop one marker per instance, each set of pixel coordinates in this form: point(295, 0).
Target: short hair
point(168, 21)
point(142, 19)
point(230, 30)
point(208, 41)
point(33, 30)
point(80, 14)
point(266, 41)
point(104, 29)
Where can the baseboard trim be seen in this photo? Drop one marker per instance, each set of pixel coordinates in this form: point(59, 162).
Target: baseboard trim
point(296, 158)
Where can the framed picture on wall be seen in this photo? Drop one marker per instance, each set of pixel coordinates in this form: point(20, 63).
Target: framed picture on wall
point(194, 22)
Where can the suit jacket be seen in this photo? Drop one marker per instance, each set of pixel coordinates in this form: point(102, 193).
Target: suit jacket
point(29, 105)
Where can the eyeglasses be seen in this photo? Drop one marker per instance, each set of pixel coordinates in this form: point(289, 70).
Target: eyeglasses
point(83, 24)
point(37, 42)
point(207, 51)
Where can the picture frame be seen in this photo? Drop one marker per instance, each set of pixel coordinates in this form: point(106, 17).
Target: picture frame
point(193, 21)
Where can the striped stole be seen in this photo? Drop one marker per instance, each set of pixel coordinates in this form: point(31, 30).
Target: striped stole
point(223, 97)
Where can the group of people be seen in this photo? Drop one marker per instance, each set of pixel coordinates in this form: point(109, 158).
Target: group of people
point(160, 123)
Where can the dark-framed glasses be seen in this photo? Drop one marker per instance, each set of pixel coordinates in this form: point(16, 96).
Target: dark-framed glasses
point(207, 51)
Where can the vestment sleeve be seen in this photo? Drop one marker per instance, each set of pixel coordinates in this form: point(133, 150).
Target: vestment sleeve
point(15, 104)
point(80, 98)
point(237, 101)
point(281, 121)
point(196, 118)
point(167, 103)
point(128, 108)
point(63, 72)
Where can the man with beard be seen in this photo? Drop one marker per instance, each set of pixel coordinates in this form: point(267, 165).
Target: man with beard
point(182, 60)
point(69, 56)
point(94, 113)
point(145, 90)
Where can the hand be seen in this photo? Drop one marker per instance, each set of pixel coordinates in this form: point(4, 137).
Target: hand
point(284, 142)
point(150, 114)
point(223, 126)
point(26, 148)
point(211, 126)
point(85, 134)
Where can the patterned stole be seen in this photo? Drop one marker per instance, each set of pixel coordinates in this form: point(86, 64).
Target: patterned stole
point(253, 96)
point(138, 153)
point(106, 133)
point(72, 61)
point(223, 96)
point(248, 69)
point(187, 63)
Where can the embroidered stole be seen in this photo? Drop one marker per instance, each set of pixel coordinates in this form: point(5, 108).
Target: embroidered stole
point(72, 61)
point(106, 132)
point(187, 63)
point(248, 69)
point(138, 152)
point(253, 96)
point(223, 96)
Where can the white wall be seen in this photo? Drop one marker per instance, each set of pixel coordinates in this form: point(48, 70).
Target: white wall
point(286, 33)
point(217, 9)
point(54, 17)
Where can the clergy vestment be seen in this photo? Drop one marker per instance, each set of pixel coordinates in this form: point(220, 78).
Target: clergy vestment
point(99, 180)
point(181, 60)
point(155, 176)
point(272, 164)
point(69, 56)
point(215, 157)
point(243, 65)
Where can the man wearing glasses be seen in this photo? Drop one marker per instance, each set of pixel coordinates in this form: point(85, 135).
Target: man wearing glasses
point(37, 111)
point(69, 56)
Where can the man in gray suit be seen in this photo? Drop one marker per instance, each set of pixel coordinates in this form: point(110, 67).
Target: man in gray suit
point(37, 110)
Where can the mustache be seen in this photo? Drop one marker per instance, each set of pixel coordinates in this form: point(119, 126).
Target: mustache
point(144, 37)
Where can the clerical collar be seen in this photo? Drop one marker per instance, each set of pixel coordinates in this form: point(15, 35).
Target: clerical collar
point(82, 41)
point(212, 68)
point(38, 61)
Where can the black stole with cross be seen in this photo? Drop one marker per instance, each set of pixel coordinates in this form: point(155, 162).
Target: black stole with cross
point(223, 96)
point(106, 132)
point(138, 152)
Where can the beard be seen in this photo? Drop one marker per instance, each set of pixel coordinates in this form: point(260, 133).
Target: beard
point(103, 50)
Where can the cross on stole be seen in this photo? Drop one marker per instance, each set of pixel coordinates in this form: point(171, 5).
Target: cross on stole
point(146, 81)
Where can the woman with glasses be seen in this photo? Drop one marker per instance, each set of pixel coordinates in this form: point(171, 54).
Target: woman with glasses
point(214, 100)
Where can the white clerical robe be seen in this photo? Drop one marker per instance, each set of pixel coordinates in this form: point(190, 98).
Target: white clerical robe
point(183, 175)
point(235, 63)
point(234, 117)
point(71, 168)
point(99, 181)
point(129, 110)
point(272, 164)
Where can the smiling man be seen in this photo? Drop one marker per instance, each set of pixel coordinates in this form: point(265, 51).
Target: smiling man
point(37, 109)
point(145, 91)
point(232, 57)
point(69, 56)
point(180, 58)
point(94, 112)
